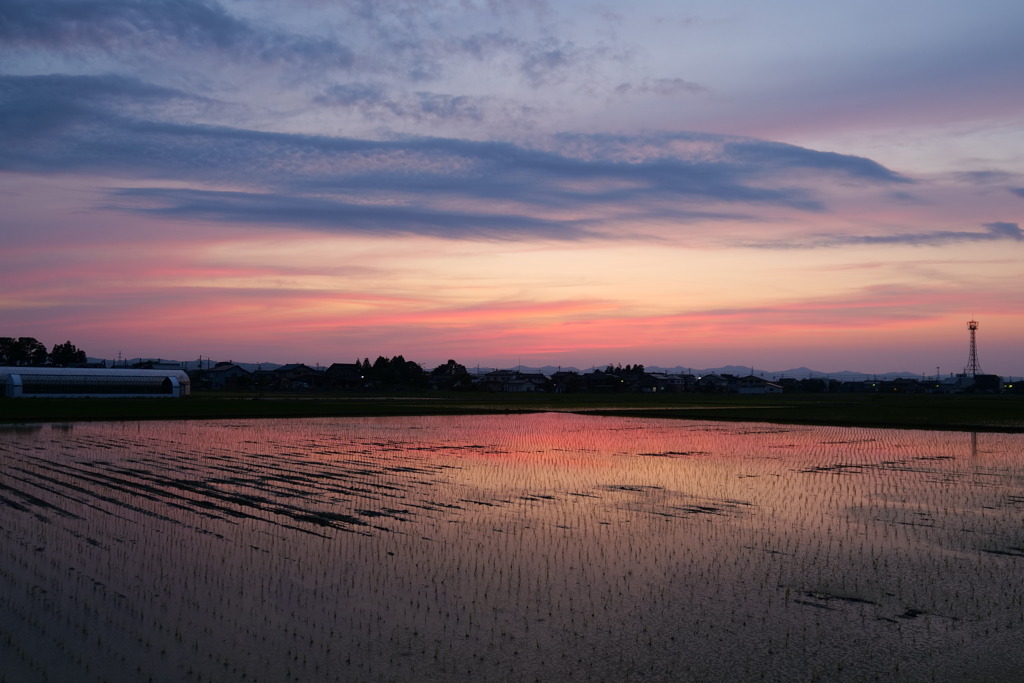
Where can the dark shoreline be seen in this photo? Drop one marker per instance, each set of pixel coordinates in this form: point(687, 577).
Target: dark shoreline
point(990, 413)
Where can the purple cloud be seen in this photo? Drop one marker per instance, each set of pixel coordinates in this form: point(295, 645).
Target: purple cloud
point(997, 231)
point(130, 25)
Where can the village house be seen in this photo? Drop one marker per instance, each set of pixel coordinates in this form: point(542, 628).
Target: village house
point(678, 383)
point(513, 381)
point(565, 381)
point(526, 382)
point(756, 385)
point(495, 380)
point(713, 383)
point(299, 376)
point(601, 381)
point(345, 376)
point(227, 375)
point(649, 384)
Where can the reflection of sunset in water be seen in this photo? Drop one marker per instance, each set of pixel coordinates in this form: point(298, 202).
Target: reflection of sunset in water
point(510, 548)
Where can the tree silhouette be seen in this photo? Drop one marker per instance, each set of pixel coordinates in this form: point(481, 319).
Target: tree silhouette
point(22, 351)
point(395, 372)
point(66, 354)
point(451, 375)
point(449, 369)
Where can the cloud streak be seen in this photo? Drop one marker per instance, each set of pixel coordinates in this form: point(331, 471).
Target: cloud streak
point(61, 123)
point(371, 99)
point(662, 86)
point(994, 232)
point(126, 27)
point(338, 217)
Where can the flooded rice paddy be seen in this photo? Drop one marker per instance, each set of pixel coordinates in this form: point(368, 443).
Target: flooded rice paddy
point(512, 548)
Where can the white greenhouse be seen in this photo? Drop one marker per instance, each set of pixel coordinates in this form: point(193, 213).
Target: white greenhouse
point(98, 382)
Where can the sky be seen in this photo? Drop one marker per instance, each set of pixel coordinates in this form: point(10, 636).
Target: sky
point(832, 185)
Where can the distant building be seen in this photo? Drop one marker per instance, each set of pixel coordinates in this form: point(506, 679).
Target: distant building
point(677, 383)
point(757, 385)
point(526, 382)
point(345, 376)
point(978, 384)
point(29, 382)
point(299, 376)
point(495, 380)
point(228, 376)
point(713, 383)
point(648, 384)
point(600, 381)
point(158, 364)
point(513, 381)
point(566, 381)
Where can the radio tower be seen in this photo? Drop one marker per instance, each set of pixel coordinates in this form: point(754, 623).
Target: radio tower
point(973, 369)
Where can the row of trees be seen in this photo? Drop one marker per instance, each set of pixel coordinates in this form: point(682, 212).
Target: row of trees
point(31, 351)
point(397, 371)
point(393, 371)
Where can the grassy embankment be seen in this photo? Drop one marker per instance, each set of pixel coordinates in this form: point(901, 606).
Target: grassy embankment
point(957, 412)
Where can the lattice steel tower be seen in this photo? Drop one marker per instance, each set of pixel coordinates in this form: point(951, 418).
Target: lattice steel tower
point(973, 369)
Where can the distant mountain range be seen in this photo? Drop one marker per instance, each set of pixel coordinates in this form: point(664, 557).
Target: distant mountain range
point(737, 370)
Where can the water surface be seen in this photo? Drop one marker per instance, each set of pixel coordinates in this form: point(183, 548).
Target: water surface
point(521, 547)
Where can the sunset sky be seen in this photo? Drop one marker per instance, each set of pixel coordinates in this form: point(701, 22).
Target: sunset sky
point(836, 185)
